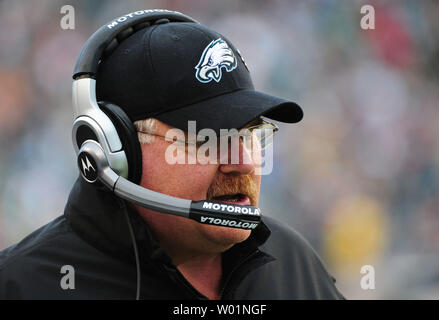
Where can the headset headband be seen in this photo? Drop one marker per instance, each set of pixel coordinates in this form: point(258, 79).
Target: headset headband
point(107, 37)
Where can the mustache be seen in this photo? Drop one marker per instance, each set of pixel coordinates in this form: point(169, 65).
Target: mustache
point(233, 184)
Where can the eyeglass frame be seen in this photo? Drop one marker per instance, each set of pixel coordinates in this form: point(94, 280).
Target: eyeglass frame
point(197, 144)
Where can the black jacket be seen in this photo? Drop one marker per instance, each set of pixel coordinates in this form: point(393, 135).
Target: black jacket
point(93, 237)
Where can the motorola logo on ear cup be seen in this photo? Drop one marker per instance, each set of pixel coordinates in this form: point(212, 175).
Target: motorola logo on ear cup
point(88, 167)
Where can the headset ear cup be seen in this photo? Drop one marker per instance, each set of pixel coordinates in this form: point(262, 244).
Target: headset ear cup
point(128, 136)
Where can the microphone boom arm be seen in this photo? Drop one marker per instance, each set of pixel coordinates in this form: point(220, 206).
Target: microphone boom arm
point(206, 212)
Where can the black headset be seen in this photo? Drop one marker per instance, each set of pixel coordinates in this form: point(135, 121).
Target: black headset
point(106, 142)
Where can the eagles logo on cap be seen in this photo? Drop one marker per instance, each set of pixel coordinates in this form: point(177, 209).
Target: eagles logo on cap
point(212, 85)
point(215, 56)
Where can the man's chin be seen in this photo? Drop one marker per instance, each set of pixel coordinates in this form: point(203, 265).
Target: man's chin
point(223, 237)
point(191, 234)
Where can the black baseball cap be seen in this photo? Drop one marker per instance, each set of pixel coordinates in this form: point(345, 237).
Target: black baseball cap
point(182, 71)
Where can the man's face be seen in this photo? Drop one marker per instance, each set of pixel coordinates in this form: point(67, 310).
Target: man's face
point(196, 182)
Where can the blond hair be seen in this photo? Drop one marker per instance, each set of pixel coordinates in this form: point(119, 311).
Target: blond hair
point(145, 125)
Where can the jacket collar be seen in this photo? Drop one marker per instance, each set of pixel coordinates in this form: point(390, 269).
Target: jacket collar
point(100, 218)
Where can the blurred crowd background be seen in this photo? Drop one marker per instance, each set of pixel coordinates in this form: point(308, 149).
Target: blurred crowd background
point(358, 177)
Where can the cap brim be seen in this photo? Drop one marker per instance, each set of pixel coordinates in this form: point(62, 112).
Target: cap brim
point(233, 110)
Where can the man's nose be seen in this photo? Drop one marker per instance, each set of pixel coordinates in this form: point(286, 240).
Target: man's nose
point(238, 160)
